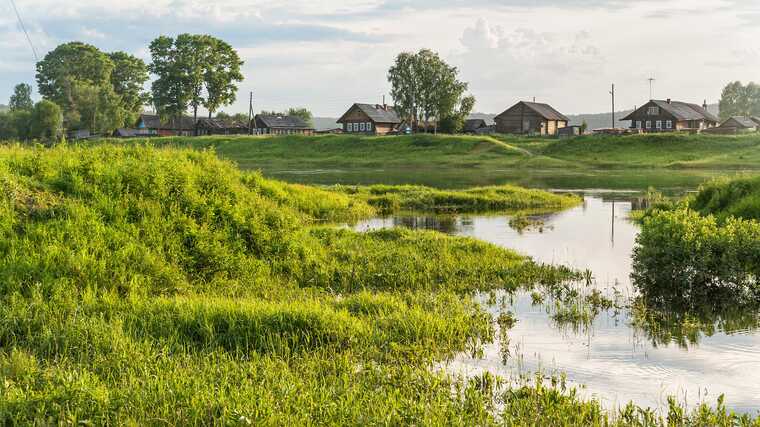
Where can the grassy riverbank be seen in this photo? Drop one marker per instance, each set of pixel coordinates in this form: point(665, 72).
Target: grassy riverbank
point(630, 162)
point(159, 286)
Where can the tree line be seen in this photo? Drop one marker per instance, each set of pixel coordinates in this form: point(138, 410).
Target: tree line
point(738, 99)
point(84, 88)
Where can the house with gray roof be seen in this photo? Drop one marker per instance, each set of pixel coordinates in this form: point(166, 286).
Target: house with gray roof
point(152, 125)
point(371, 119)
point(280, 124)
point(530, 118)
point(670, 116)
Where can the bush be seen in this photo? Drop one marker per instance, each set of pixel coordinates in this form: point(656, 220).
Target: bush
point(683, 256)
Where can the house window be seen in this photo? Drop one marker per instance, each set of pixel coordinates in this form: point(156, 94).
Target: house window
point(649, 124)
point(350, 127)
point(669, 124)
point(638, 124)
point(653, 111)
point(659, 124)
point(369, 126)
point(361, 127)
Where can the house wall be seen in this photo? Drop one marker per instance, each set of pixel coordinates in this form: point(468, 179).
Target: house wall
point(520, 119)
point(355, 121)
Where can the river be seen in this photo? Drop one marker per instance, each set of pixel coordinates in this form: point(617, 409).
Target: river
point(610, 359)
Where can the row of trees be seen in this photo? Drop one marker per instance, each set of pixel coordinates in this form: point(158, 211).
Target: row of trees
point(426, 88)
point(101, 91)
point(740, 100)
point(26, 120)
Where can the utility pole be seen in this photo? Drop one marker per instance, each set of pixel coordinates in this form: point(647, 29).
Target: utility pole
point(651, 80)
point(613, 105)
point(250, 114)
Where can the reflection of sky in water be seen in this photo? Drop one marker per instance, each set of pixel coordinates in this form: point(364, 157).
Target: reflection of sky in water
point(615, 363)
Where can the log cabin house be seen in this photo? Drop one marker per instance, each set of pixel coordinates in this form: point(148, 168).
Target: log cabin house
point(265, 124)
point(216, 126)
point(370, 119)
point(531, 118)
point(670, 116)
point(152, 125)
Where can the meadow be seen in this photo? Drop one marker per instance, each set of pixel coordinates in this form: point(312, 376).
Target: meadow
point(667, 162)
point(164, 286)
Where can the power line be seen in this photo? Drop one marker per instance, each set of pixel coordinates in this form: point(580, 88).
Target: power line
point(23, 28)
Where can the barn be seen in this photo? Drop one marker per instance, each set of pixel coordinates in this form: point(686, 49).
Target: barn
point(530, 118)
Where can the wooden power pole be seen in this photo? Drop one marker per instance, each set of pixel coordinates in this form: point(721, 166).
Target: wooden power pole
point(250, 114)
point(613, 105)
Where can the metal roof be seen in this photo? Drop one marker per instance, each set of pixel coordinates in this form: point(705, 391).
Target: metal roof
point(376, 113)
point(281, 122)
point(679, 110)
point(544, 110)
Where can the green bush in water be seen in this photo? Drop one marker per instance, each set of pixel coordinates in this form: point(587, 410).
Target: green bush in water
point(683, 256)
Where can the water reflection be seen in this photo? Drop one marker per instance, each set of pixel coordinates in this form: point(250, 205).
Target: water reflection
point(633, 351)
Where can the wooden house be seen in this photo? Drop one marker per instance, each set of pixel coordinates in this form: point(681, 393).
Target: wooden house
point(530, 118)
point(477, 127)
point(670, 116)
point(152, 125)
point(266, 124)
point(216, 126)
point(370, 119)
point(740, 123)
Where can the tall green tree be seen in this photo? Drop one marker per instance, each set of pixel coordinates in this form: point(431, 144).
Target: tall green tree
point(21, 98)
point(128, 80)
point(192, 71)
point(222, 76)
point(68, 64)
point(424, 87)
point(47, 121)
point(302, 113)
point(96, 90)
point(740, 100)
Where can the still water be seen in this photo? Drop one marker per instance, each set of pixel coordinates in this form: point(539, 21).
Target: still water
point(609, 359)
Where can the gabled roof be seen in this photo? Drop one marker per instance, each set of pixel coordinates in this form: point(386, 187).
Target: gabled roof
point(471, 125)
point(544, 110)
point(153, 121)
point(745, 122)
point(755, 119)
point(679, 110)
point(220, 124)
point(376, 113)
point(281, 122)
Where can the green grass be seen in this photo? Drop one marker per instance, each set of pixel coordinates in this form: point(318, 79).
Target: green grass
point(669, 162)
point(392, 198)
point(147, 286)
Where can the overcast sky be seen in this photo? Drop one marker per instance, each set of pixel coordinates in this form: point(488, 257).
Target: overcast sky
point(327, 54)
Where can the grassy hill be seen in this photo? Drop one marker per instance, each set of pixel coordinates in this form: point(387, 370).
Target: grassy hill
point(144, 286)
point(630, 162)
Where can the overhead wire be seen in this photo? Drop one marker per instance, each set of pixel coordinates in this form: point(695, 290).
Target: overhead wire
point(26, 33)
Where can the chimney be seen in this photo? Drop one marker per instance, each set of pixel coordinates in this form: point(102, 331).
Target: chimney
point(704, 105)
point(668, 100)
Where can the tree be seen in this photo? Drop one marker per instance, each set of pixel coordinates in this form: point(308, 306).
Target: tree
point(70, 63)
point(584, 127)
point(221, 76)
point(47, 121)
point(740, 100)
point(193, 71)
point(128, 79)
point(424, 87)
point(21, 98)
point(96, 91)
point(302, 113)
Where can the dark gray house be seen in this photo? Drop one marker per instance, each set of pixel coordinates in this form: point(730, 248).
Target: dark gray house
point(265, 124)
point(670, 116)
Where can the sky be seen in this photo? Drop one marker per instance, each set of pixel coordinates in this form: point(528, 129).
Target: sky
point(325, 55)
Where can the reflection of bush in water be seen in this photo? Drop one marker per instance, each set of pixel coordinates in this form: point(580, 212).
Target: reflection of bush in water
point(685, 326)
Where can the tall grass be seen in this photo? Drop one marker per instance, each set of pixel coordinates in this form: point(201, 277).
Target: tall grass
point(147, 286)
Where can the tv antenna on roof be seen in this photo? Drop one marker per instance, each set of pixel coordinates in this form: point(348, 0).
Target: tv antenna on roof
point(651, 80)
